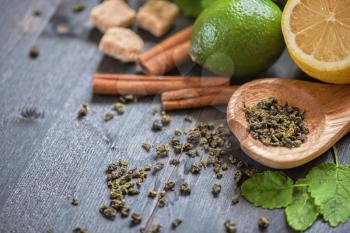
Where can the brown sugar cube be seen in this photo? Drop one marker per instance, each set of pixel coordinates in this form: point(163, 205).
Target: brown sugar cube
point(112, 13)
point(157, 16)
point(122, 44)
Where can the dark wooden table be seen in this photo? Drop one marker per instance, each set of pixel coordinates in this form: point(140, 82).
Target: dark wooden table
point(47, 156)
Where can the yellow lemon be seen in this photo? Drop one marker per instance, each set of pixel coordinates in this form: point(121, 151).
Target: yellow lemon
point(317, 35)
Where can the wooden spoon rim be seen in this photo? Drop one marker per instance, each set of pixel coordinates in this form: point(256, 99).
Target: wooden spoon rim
point(281, 157)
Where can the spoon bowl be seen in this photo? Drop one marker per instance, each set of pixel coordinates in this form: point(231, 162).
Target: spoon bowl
point(327, 113)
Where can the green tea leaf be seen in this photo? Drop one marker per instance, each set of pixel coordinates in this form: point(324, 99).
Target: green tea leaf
point(302, 212)
point(329, 185)
point(269, 190)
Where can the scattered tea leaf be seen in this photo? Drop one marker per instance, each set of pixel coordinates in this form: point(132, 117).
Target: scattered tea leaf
point(238, 176)
point(162, 193)
point(136, 218)
point(157, 167)
point(178, 132)
point(34, 51)
point(155, 228)
point(74, 201)
point(188, 118)
point(216, 190)
point(235, 199)
point(263, 222)
point(147, 167)
point(152, 194)
point(37, 13)
point(169, 186)
point(174, 162)
point(108, 116)
point(83, 111)
point(196, 167)
point(78, 7)
point(162, 202)
point(108, 212)
point(230, 226)
point(165, 119)
point(162, 151)
point(80, 230)
point(175, 223)
point(125, 212)
point(157, 126)
point(147, 146)
point(185, 189)
point(130, 98)
point(119, 108)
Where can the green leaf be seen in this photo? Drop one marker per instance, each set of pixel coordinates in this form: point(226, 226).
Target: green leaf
point(329, 185)
point(302, 212)
point(269, 190)
point(190, 7)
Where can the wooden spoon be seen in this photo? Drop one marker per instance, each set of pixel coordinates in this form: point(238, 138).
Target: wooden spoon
point(327, 115)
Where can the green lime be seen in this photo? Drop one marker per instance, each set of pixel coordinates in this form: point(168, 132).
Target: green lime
point(238, 37)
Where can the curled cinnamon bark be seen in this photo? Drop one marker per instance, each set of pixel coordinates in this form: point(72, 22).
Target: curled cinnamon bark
point(114, 84)
point(165, 56)
point(197, 97)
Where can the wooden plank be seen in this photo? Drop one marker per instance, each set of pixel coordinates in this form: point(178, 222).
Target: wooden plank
point(19, 27)
point(47, 161)
point(48, 77)
point(35, 85)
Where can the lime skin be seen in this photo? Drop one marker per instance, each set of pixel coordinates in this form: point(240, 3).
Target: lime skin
point(238, 37)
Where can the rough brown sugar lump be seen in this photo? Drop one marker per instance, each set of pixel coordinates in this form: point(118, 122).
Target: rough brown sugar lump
point(122, 44)
point(157, 16)
point(112, 13)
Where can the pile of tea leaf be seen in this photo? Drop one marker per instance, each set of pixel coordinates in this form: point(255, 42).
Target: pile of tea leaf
point(210, 143)
point(213, 140)
point(276, 125)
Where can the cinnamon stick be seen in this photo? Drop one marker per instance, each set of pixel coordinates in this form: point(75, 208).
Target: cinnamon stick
point(172, 41)
point(166, 60)
point(196, 92)
point(197, 97)
point(197, 102)
point(113, 84)
point(136, 77)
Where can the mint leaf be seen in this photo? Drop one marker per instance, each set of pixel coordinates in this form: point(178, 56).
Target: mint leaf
point(329, 185)
point(268, 189)
point(302, 212)
point(190, 7)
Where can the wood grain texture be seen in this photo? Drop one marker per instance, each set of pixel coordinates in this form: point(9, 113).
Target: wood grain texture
point(327, 114)
point(50, 157)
